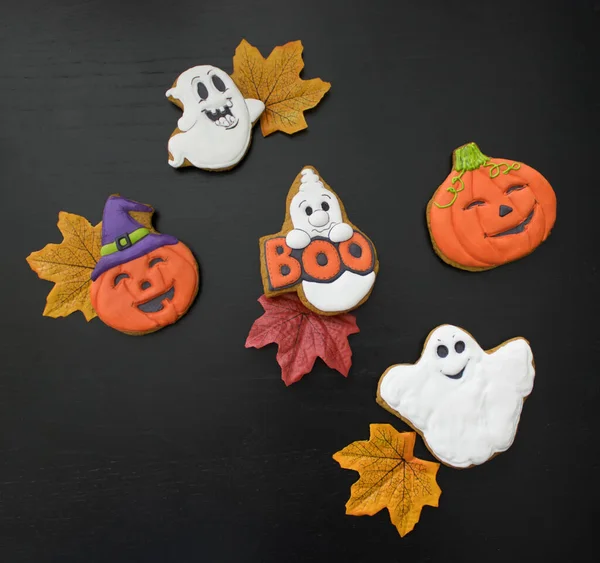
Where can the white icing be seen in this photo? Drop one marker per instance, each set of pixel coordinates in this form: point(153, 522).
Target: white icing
point(315, 209)
point(341, 232)
point(466, 420)
point(216, 129)
point(342, 294)
point(324, 220)
point(297, 239)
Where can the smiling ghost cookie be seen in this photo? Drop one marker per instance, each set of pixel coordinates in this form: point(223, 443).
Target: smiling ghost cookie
point(489, 211)
point(144, 280)
point(318, 253)
point(215, 129)
point(466, 402)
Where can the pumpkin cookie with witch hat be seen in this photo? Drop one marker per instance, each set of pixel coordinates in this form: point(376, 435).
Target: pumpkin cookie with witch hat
point(134, 278)
point(318, 253)
point(144, 280)
point(489, 211)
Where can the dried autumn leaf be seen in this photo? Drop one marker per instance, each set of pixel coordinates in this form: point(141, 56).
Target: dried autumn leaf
point(69, 265)
point(390, 477)
point(302, 336)
point(276, 82)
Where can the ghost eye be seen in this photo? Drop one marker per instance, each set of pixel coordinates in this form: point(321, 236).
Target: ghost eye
point(325, 206)
point(202, 91)
point(119, 278)
point(219, 84)
point(514, 189)
point(155, 261)
point(459, 347)
point(475, 204)
point(308, 210)
point(442, 351)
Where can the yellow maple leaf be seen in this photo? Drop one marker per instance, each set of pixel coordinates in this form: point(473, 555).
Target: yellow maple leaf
point(390, 476)
point(276, 82)
point(69, 265)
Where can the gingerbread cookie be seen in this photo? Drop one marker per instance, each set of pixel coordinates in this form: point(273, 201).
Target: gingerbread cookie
point(215, 129)
point(144, 280)
point(318, 253)
point(489, 211)
point(135, 279)
point(464, 401)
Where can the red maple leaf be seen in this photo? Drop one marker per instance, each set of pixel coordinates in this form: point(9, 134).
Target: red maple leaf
point(302, 336)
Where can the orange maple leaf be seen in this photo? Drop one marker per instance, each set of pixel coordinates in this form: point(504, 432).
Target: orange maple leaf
point(276, 82)
point(390, 476)
point(69, 265)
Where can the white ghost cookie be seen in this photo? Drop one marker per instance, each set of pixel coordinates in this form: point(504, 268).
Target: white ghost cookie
point(466, 402)
point(215, 129)
point(318, 253)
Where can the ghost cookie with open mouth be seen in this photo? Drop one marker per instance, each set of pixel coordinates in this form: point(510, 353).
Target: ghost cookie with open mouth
point(318, 253)
point(466, 402)
point(489, 211)
point(215, 129)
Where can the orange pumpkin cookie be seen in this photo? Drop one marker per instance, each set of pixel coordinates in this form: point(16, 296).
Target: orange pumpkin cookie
point(121, 270)
point(144, 280)
point(489, 211)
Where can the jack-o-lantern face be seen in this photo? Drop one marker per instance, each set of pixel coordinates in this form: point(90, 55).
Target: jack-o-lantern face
point(147, 293)
point(491, 212)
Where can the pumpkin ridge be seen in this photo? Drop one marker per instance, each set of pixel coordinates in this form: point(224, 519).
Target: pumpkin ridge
point(469, 178)
point(489, 245)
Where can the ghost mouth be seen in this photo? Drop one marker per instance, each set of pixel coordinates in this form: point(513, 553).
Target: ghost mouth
point(156, 304)
point(456, 375)
point(222, 117)
point(518, 229)
point(327, 227)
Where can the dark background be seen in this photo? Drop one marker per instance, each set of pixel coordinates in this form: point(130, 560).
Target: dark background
point(185, 447)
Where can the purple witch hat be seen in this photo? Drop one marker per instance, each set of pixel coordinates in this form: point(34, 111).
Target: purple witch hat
point(123, 238)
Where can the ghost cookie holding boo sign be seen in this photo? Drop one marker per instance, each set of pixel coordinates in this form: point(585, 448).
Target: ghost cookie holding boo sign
point(318, 253)
point(315, 270)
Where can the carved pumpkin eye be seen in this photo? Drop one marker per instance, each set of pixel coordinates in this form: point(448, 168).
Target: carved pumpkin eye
point(442, 351)
point(119, 278)
point(202, 91)
point(219, 84)
point(308, 210)
point(514, 189)
point(475, 204)
point(325, 206)
point(155, 261)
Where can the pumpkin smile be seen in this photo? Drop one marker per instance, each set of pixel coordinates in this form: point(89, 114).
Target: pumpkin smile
point(516, 230)
point(156, 304)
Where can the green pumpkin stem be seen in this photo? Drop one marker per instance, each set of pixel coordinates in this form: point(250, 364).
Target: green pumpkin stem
point(468, 157)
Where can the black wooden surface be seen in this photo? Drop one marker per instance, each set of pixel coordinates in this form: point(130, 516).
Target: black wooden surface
point(183, 446)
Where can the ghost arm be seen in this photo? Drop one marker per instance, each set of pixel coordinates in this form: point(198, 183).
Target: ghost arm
point(187, 121)
point(401, 389)
point(512, 364)
point(255, 108)
point(341, 232)
point(297, 239)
